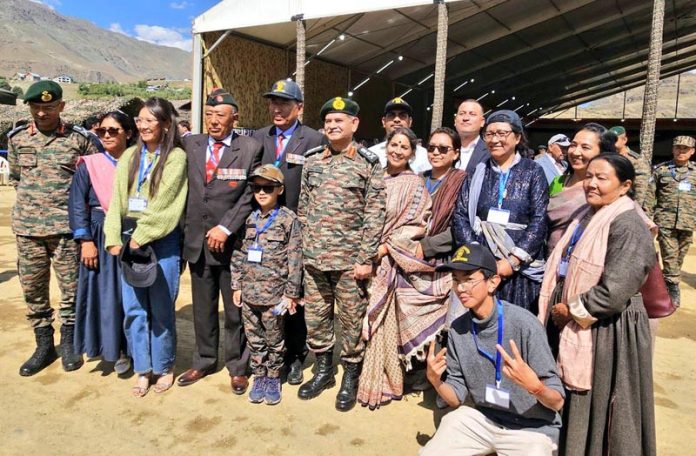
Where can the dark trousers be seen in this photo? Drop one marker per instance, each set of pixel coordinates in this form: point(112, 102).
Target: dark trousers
point(295, 336)
point(207, 283)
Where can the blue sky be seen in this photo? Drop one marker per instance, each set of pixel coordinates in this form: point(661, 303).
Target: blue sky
point(165, 22)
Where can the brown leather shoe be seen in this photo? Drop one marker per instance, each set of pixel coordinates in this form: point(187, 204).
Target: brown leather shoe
point(191, 376)
point(239, 384)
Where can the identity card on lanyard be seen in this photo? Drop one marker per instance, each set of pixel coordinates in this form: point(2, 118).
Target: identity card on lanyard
point(497, 214)
point(683, 185)
point(494, 393)
point(136, 203)
point(255, 254)
point(565, 260)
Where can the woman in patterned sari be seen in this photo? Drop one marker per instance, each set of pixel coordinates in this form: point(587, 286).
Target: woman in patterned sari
point(408, 299)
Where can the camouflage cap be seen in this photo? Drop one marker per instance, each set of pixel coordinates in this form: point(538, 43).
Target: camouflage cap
point(43, 92)
point(339, 104)
point(289, 90)
point(269, 172)
point(221, 97)
point(687, 141)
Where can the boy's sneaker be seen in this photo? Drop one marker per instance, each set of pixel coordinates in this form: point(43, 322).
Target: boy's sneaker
point(273, 395)
point(258, 389)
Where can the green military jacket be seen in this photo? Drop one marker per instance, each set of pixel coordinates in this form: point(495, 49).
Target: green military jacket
point(41, 170)
point(672, 196)
point(341, 208)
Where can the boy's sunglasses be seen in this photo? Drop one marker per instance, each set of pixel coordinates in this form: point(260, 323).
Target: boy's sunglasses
point(267, 189)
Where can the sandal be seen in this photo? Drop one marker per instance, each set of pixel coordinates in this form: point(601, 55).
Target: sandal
point(138, 389)
point(164, 382)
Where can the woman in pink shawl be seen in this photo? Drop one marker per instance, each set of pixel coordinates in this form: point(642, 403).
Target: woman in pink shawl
point(408, 299)
point(98, 313)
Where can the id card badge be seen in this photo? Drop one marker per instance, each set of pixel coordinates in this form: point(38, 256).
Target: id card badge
point(255, 254)
point(497, 396)
point(136, 204)
point(684, 186)
point(563, 268)
point(499, 216)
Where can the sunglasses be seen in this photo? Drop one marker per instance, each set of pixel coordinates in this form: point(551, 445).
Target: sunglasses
point(267, 189)
point(112, 131)
point(441, 149)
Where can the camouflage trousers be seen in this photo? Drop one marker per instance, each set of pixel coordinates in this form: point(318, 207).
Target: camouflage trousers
point(265, 339)
point(323, 290)
point(673, 247)
point(34, 258)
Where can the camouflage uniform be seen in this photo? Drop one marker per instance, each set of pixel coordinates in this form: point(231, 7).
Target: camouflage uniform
point(264, 284)
point(41, 170)
point(674, 211)
point(342, 209)
point(641, 185)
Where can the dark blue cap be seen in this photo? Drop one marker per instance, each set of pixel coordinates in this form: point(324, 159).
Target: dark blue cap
point(507, 116)
point(285, 89)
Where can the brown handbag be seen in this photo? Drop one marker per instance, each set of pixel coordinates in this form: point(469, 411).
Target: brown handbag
point(656, 299)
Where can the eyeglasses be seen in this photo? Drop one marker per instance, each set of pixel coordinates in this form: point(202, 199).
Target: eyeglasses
point(112, 131)
point(502, 134)
point(468, 285)
point(432, 148)
point(141, 121)
point(267, 189)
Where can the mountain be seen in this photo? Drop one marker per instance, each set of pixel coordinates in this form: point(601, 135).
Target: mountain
point(35, 38)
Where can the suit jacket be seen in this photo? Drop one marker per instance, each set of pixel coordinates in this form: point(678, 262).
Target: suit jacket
point(302, 139)
point(225, 200)
point(480, 154)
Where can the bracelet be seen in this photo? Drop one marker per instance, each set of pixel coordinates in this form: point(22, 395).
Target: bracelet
point(537, 391)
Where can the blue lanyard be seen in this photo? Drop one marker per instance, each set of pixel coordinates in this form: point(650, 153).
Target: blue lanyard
point(143, 173)
point(577, 233)
point(432, 188)
point(498, 359)
point(111, 159)
point(502, 183)
point(259, 232)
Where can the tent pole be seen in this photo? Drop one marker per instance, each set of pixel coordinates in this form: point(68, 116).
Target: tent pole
point(440, 64)
point(647, 128)
point(197, 85)
point(300, 54)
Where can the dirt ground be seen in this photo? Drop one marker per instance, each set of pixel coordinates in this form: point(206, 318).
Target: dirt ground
point(91, 410)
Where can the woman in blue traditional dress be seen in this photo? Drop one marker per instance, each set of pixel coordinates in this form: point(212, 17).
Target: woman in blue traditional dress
point(99, 313)
point(503, 205)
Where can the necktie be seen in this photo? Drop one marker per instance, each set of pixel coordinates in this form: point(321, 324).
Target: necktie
point(279, 147)
point(213, 160)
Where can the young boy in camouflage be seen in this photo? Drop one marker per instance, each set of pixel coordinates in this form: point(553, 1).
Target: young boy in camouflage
point(266, 279)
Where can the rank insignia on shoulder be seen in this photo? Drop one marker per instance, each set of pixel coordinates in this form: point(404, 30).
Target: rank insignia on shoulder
point(369, 156)
point(314, 150)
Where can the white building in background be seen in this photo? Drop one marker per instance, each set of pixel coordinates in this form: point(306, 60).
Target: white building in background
point(63, 79)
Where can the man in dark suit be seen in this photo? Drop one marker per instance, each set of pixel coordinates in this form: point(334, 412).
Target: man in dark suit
point(469, 121)
point(219, 201)
point(284, 145)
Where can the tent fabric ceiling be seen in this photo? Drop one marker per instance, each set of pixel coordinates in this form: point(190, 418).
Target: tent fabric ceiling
point(551, 54)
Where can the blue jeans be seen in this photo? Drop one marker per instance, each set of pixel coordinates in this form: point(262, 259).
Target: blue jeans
point(150, 322)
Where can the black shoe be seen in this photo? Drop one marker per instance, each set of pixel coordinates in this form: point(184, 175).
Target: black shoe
point(347, 395)
point(44, 354)
point(295, 374)
point(323, 377)
point(674, 294)
point(71, 360)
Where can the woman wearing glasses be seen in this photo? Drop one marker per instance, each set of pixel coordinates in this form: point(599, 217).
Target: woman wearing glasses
point(503, 205)
point(147, 206)
point(98, 313)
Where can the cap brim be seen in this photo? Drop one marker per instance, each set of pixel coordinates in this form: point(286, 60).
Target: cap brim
point(458, 267)
point(399, 106)
point(564, 143)
point(280, 95)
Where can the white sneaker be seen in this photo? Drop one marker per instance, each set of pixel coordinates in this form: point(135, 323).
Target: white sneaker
point(123, 365)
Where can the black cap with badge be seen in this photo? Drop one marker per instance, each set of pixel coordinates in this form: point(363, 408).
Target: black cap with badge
point(43, 92)
point(287, 89)
point(470, 258)
point(220, 97)
point(340, 105)
point(398, 103)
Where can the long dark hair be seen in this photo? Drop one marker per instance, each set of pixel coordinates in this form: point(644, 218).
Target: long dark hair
point(165, 114)
point(126, 122)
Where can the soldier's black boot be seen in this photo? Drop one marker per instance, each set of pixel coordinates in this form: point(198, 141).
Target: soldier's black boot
point(44, 354)
point(347, 395)
point(674, 294)
point(323, 377)
point(71, 360)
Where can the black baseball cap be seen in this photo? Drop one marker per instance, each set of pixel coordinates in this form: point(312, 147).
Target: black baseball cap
point(139, 265)
point(398, 103)
point(470, 258)
point(287, 89)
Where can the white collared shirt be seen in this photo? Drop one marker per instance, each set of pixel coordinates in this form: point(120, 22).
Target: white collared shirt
point(465, 153)
point(419, 164)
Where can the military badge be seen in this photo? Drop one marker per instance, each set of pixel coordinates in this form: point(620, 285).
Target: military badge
point(46, 96)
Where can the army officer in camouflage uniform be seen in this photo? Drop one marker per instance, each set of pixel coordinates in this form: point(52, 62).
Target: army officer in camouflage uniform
point(341, 209)
point(672, 202)
point(42, 158)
